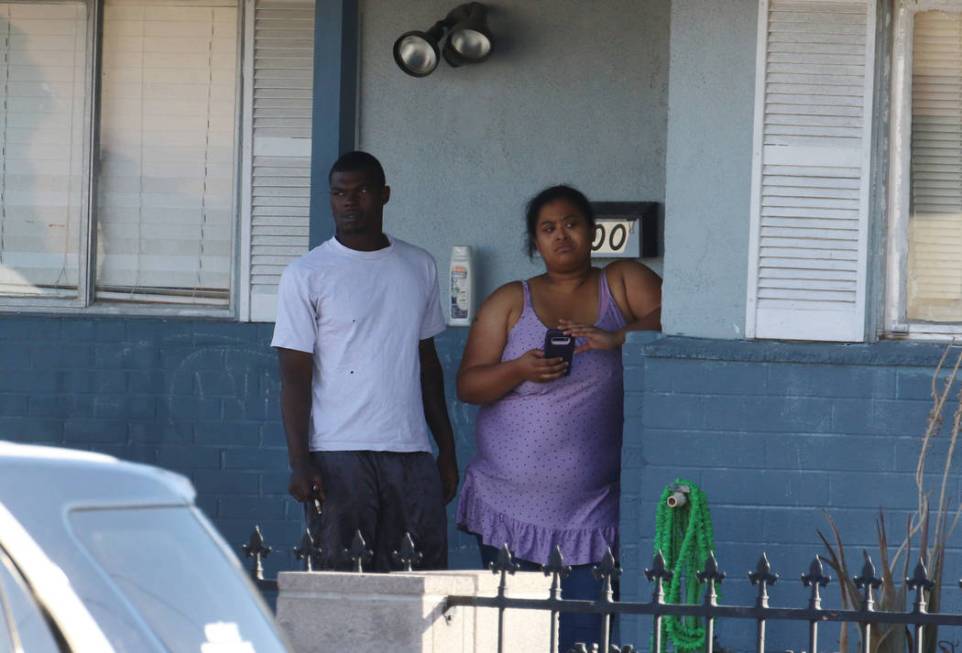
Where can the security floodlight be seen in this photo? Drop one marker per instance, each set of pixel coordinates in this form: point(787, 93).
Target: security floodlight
point(468, 41)
point(416, 53)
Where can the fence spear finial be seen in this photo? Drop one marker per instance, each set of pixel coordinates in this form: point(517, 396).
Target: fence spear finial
point(763, 577)
point(308, 551)
point(607, 571)
point(505, 562)
point(557, 569)
point(815, 578)
point(866, 582)
point(659, 575)
point(920, 583)
point(408, 555)
point(358, 554)
point(258, 550)
point(504, 565)
point(711, 575)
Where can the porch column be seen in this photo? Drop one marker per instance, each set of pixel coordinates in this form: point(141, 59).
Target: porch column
point(334, 122)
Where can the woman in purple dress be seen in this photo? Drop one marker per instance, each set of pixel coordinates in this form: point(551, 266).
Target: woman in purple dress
point(548, 460)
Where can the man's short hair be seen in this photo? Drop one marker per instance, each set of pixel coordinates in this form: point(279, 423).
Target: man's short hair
point(358, 161)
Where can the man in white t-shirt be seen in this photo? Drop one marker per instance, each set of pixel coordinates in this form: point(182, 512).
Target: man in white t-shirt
point(361, 381)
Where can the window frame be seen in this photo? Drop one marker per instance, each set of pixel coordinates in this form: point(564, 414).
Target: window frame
point(896, 324)
point(86, 302)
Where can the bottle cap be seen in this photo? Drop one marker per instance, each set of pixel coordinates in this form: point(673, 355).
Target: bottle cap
point(461, 251)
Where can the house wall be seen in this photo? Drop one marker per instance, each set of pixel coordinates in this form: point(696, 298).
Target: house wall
point(709, 165)
point(779, 436)
point(573, 92)
point(775, 433)
point(199, 397)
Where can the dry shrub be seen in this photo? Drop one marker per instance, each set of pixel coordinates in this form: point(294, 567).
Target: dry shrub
point(930, 526)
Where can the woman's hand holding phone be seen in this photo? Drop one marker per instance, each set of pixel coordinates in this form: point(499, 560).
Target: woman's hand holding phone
point(533, 366)
point(595, 338)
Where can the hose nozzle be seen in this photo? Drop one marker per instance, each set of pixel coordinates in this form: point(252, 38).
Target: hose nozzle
point(679, 496)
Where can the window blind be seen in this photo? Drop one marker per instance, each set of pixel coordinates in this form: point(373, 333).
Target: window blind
point(43, 103)
point(810, 183)
point(281, 150)
point(167, 140)
point(934, 269)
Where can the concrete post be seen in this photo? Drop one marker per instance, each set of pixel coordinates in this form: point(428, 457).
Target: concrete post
point(403, 612)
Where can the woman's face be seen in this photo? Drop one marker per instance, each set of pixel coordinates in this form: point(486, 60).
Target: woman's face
point(563, 236)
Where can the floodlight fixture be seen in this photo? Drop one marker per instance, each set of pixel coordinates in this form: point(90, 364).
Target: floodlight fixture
point(467, 40)
point(417, 53)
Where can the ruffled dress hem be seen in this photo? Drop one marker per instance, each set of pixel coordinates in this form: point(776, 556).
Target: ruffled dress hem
point(580, 546)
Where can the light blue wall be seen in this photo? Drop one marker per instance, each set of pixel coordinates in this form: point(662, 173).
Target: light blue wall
point(708, 169)
point(335, 102)
point(574, 92)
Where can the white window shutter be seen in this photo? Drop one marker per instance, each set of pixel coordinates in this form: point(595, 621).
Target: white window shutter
point(279, 157)
point(810, 183)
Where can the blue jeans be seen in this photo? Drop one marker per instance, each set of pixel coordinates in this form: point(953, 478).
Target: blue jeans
point(579, 584)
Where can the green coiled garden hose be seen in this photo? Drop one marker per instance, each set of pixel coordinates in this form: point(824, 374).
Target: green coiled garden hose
point(684, 536)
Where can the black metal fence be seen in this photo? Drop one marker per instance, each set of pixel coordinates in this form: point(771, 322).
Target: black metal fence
point(916, 621)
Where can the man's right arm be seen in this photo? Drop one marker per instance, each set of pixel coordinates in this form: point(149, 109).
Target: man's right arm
point(297, 369)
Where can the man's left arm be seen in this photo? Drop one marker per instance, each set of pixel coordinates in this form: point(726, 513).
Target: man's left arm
point(436, 414)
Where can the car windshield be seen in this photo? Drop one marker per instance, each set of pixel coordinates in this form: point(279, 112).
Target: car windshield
point(176, 576)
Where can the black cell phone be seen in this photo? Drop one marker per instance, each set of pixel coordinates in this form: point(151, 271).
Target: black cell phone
point(558, 344)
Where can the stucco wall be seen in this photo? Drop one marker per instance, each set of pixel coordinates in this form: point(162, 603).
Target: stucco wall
point(708, 169)
point(574, 92)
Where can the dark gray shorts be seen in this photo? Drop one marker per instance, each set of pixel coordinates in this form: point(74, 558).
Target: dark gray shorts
point(383, 494)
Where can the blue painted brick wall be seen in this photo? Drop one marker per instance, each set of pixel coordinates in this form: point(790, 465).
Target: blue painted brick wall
point(778, 436)
point(774, 433)
point(198, 397)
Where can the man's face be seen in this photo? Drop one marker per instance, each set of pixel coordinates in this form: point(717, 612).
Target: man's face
point(357, 202)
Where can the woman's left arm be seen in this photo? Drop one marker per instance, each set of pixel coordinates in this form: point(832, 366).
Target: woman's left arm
point(637, 291)
point(642, 295)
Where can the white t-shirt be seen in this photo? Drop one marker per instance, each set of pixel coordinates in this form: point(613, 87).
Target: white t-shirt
point(362, 315)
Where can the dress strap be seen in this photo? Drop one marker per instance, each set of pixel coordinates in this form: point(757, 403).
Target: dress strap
point(604, 295)
point(526, 307)
point(607, 304)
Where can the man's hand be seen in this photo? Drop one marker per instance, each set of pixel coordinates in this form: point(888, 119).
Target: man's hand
point(306, 483)
point(448, 468)
point(533, 366)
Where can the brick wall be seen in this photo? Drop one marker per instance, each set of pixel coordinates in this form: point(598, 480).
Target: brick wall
point(777, 435)
point(774, 433)
point(198, 397)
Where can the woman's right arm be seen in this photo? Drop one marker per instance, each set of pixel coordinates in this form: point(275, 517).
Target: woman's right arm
point(483, 378)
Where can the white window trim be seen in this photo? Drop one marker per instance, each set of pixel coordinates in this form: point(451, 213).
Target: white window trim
point(86, 303)
point(758, 126)
point(245, 171)
point(896, 324)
